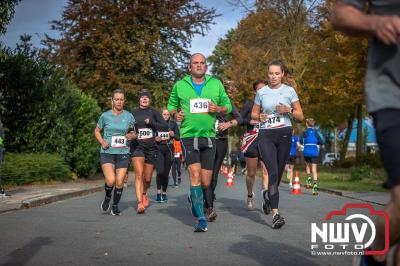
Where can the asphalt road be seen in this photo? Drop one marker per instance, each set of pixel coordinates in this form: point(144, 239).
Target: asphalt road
point(75, 232)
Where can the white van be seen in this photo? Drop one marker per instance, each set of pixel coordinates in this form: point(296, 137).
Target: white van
point(330, 158)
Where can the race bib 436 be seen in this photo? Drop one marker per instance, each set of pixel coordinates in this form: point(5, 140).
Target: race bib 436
point(199, 106)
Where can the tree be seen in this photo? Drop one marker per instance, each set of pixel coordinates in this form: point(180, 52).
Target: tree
point(7, 9)
point(126, 44)
point(45, 112)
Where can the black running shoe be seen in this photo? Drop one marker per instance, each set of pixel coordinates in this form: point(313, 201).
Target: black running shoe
point(266, 205)
point(115, 211)
point(105, 205)
point(211, 214)
point(277, 221)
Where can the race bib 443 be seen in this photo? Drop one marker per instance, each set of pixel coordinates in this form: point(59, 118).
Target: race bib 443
point(118, 142)
point(199, 106)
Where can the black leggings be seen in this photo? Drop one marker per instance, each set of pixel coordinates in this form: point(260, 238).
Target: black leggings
point(176, 167)
point(221, 149)
point(274, 147)
point(163, 165)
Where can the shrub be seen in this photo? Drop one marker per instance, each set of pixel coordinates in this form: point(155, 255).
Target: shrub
point(363, 172)
point(26, 168)
point(42, 111)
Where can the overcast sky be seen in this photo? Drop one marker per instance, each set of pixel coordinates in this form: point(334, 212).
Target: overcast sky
point(32, 17)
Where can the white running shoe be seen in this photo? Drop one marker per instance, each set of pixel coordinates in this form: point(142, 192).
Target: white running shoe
point(250, 204)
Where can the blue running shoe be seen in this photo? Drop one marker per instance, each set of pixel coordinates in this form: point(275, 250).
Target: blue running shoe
point(201, 225)
point(159, 198)
point(164, 198)
point(191, 206)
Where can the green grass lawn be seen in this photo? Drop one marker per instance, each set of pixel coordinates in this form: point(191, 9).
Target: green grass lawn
point(340, 179)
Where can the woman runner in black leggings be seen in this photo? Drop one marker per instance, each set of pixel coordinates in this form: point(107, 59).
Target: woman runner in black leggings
point(222, 124)
point(274, 106)
point(165, 135)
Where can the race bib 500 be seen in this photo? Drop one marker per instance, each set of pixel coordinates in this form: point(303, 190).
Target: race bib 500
point(145, 133)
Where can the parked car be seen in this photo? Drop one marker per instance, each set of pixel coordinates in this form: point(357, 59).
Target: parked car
point(330, 158)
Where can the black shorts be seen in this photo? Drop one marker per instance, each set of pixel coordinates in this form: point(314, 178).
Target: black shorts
point(252, 150)
point(203, 154)
point(292, 159)
point(311, 159)
point(387, 125)
point(118, 160)
point(149, 153)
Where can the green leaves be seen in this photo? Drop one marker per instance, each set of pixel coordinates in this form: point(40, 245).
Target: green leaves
point(126, 44)
point(45, 112)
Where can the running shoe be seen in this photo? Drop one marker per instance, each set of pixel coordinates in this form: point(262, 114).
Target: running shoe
point(105, 205)
point(266, 204)
point(159, 198)
point(277, 221)
point(290, 185)
point(146, 200)
point(211, 214)
point(179, 180)
point(250, 200)
point(164, 198)
point(201, 225)
point(309, 182)
point(115, 211)
point(315, 189)
point(140, 208)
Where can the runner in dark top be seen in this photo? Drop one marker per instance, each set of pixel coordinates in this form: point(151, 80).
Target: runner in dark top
point(144, 151)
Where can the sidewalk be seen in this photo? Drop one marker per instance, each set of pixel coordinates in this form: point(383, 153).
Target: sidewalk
point(380, 198)
point(36, 195)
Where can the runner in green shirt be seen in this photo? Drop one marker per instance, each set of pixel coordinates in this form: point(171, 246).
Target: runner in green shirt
point(195, 100)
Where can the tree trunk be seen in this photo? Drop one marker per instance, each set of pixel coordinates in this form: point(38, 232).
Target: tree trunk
point(346, 140)
point(359, 134)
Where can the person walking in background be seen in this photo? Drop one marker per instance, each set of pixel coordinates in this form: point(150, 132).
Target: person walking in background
point(292, 157)
point(177, 162)
point(311, 141)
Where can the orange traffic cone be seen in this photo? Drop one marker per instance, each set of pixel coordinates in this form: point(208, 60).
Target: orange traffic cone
point(296, 185)
point(229, 180)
